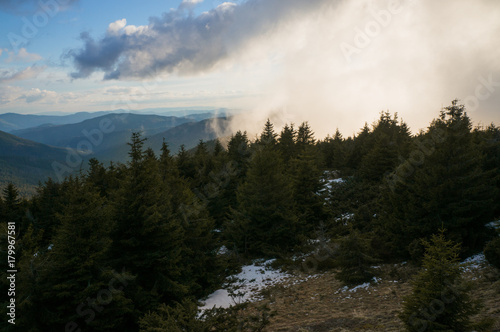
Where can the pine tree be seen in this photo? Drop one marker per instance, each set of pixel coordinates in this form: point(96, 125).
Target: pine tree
point(286, 143)
point(354, 259)
point(147, 239)
point(98, 176)
point(333, 151)
point(488, 140)
point(59, 280)
point(360, 147)
point(266, 202)
point(185, 163)
point(200, 268)
point(305, 136)
point(441, 299)
point(305, 176)
point(445, 185)
point(268, 135)
point(388, 143)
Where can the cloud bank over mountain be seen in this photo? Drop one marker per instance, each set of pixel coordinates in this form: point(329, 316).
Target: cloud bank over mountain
point(334, 63)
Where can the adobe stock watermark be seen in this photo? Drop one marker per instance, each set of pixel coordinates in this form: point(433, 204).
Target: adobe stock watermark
point(32, 25)
point(363, 37)
point(485, 88)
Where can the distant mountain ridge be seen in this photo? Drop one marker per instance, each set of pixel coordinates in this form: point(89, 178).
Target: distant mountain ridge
point(10, 122)
point(28, 156)
point(187, 134)
point(25, 162)
point(123, 123)
point(13, 121)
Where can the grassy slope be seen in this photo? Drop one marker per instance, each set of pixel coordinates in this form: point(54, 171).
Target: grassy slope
point(318, 304)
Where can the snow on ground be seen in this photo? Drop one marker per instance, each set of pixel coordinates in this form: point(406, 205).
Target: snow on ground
point(365, 286)
point(494, 224)
point(246, 285)
point(328, 183)
point(474, 263)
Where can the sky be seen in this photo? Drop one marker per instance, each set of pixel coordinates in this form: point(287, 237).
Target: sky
point(334, 63)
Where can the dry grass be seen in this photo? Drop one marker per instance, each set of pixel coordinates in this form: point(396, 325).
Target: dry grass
point(319, 304)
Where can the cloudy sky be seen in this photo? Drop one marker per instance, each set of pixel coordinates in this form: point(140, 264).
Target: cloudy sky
point(335, 63)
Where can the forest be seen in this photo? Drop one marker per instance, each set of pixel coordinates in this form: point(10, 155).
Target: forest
point(134, 246)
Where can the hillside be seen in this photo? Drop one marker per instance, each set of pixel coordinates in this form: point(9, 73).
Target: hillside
point(119, 125)
point(320, 303)
point(12, 121)
point(25, 162)
point(188, 134)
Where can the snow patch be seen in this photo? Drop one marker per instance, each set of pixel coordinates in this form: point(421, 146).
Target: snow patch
point(494, 224)
point(365, 286)
point(474, 263)
point(246, 285)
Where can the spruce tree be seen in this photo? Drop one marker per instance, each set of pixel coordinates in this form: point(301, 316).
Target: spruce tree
point(305, 176)
point(443, 183)
point(58, 281)
point(305, 136)
point(268, 136)
point(147, 238)
point(286, 143)
point(185, 163)
point(354, 259)
point(441, 299)
point(266, 203)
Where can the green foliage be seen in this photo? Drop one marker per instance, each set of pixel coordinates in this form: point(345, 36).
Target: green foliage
point(441, 299)
point(443, 183)
point(286, 143)
point(354, 260)
point(57, 280)
point(268, 135)
point(186, 317)
point(266, 206)
point(158, 222)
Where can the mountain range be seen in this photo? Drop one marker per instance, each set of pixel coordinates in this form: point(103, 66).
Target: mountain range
point(28, 154)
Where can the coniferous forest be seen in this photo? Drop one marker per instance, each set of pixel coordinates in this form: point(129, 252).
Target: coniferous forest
point(134, 246)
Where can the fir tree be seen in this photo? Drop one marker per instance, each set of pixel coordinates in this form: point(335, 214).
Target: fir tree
point(268, 135)
point(444, 186)
point(185, 163)
point(354, 259)
point(306, 182)
point(266, 201)
point(286, 143)
point(305, 136)
point(57, 281)
point(441, 299)
point(147, 239)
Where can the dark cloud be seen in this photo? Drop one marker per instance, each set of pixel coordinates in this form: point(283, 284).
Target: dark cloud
point(26, 7)
point(180, 42)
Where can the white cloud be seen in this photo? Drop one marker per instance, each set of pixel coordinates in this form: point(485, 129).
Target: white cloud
point(116, 26)
point(22, 56)
point(37, 95)
point(9, 75)
point(412, 62)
